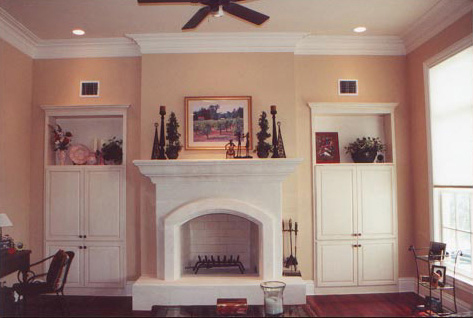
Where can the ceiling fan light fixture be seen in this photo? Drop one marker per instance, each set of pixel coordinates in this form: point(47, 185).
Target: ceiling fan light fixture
point(219, 13)
point(78, 32)
point(360, 29)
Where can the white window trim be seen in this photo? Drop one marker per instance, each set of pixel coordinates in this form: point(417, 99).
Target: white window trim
point(457, 47)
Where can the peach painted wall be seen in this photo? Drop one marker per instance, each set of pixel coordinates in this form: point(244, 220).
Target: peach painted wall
point(16, 80)
point(289, 82)
point(168, 78)
point(418, 129)
point(56, 82)
point(381, 79)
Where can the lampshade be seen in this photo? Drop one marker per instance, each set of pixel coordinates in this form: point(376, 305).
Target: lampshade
point(4, 220)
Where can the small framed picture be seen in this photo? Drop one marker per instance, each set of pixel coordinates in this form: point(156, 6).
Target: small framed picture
point(439, 275)
point(326, 147)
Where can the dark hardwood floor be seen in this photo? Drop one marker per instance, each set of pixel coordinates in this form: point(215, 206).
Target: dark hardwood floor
point(368, 305)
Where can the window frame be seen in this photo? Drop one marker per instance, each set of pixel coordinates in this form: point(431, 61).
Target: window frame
point(435, 225)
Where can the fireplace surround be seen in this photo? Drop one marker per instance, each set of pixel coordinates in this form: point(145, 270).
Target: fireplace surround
point(187, 190)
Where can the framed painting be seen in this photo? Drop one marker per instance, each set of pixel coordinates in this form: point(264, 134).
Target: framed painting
point(212, 121)
point(326, 147)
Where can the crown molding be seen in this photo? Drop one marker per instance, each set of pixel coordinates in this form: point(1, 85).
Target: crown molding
point(216, 42)
point(83, 48)
point(442, 15)
point(350, 45)
point(17, 34)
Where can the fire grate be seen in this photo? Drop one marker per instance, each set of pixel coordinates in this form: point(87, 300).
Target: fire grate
point(211, 262)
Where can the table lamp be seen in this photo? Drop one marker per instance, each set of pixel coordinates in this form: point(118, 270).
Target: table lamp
point(4, 221)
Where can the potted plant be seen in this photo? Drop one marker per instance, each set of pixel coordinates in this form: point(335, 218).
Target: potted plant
point(364, 150)
point(172, 136)
point(112, 151)
point(262, 147)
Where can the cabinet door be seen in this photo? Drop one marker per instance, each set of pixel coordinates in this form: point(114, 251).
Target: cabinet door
point(376, 202)
point(103, 265)
point(377, 262)
point(63, 204)
point(336, 263)
point(104, 202)
point(335, 202)
point(75, 277)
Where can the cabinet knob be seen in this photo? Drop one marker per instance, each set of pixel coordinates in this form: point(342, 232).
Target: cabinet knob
point(80, 236)
point(80, 247)
point(85, 247)
point(359, 245)
point(359, 234)
point(354, 245)
point(85, 236)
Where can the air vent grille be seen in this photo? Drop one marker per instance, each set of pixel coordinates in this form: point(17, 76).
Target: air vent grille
point(89, 88)
point(347, 87)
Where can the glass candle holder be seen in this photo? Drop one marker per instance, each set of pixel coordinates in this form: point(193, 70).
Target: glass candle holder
point(273, 297)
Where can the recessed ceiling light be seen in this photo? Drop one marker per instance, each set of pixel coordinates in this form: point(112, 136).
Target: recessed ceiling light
point(359, 29)
point(78, 32)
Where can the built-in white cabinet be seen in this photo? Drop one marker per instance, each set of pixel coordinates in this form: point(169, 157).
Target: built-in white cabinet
point(355, 201)
point(355, 204)
point(96, 264)
point(84, 205)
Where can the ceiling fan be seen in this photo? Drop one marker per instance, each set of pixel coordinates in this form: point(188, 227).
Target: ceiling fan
point(217, 7)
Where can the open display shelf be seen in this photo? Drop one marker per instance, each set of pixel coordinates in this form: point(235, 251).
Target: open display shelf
point(429, 260)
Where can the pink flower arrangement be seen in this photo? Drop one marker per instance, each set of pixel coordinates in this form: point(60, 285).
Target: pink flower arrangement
point(61, 138)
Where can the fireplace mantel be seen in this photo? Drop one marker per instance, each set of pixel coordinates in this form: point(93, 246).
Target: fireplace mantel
point(218, 169)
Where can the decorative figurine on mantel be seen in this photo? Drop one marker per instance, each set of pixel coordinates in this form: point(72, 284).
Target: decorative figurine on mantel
point(247, 146)
point(281, 151)
point(230, 148)
point(238, 153)
point(155, 151)
point(291, 261)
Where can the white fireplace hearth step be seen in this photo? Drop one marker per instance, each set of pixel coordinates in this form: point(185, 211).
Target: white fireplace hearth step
point(193, 291)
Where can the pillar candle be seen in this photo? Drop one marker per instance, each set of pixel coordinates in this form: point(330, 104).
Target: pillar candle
point(273, 108)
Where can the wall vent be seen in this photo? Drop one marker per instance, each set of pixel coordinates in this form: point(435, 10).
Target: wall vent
point(89, 89)
point(347, 87)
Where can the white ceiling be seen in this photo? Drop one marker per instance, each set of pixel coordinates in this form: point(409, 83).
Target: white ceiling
point(54, 19)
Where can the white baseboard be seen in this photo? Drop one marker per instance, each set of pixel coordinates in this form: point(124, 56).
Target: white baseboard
point(407, 284)
point(310, 287)
point(84, 291)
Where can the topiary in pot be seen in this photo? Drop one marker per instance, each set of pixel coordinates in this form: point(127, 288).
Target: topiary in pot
point(262, 147)
point(364, 150)
point(172, 136)
point(112, 151)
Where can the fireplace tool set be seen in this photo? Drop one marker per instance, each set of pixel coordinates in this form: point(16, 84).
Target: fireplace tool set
point(291, 261)
point(211, 262)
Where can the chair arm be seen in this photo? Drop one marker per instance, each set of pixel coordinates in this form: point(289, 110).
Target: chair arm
point(41, 261)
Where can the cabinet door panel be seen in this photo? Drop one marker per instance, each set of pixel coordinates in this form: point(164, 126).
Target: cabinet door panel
point(376, 202)
point(75, 276)
point(335, 203)
point(63, 205)
point(336, 263)
point(103, 201)
point(377, 262)
point(103, 266)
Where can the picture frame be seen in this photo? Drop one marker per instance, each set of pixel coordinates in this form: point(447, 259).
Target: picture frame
point(212, 121)
point(441, 271)
point(326, 147)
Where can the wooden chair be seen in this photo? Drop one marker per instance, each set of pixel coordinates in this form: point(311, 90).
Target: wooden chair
point(30, 284)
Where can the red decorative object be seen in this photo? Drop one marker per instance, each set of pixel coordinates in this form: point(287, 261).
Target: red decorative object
point(326, 147)
point(232, 306)
point(11, 250)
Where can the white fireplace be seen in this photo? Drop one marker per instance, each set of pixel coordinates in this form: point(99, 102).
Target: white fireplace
point(216, 208)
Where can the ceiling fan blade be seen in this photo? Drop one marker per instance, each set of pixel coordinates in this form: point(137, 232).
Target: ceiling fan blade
point(197, 18)
point(166, 1)
point(245, 13)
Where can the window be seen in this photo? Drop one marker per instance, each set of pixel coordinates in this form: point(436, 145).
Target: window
point(450, 82)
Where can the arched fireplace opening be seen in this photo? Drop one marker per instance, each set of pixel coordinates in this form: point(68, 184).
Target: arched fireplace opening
point(220, 244)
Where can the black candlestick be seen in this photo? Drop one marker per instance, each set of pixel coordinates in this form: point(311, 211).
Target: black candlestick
point(162, 112)
point(275, 135)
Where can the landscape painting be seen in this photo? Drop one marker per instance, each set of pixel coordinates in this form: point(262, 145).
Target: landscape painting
point(211, 122)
